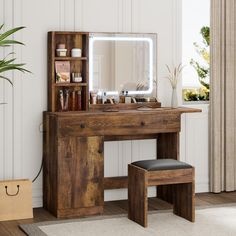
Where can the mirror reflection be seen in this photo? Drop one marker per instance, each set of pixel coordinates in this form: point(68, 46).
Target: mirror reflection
point(122, 64)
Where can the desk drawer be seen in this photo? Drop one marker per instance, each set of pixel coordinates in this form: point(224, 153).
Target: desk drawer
point(118, 124)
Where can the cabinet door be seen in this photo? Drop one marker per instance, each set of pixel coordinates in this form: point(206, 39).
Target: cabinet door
point(80, 172)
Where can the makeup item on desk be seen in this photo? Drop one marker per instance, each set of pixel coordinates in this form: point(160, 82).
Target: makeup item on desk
point(76, 77)
point(99, 99)
point(110, 101)
point(93, 97)
point(76, 52)
point(127, 99)
point(133, 100)
point(104, 98)
point(79, 107)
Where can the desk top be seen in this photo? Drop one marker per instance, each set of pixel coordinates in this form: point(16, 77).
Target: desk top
point(120, 123)
point(141, 110)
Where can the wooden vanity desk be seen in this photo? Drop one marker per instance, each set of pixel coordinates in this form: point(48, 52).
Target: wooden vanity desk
point(75, 130)
point(74, 180)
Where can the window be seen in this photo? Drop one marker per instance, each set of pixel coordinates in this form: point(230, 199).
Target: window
point(196, 15)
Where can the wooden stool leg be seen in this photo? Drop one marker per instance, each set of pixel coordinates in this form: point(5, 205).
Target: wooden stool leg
point(137, 195)
point(184, 201)
point(167, 147)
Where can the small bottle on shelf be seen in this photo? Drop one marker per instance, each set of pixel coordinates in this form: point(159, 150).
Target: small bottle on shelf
point(61, 100)
point(79, 105)
point(73, 102)
point(93, 97)
point(104, 98)
point(66, 106)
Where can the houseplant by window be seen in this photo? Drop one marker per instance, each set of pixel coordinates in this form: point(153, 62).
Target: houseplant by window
point(202, 68)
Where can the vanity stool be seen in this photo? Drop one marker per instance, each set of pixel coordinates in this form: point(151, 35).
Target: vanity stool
point(142, 174)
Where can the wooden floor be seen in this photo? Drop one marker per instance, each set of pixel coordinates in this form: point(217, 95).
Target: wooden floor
point(10, 228)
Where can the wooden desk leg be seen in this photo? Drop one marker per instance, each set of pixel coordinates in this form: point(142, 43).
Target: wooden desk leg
point(167, 147)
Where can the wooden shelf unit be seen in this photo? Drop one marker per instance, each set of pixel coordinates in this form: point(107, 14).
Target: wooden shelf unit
point(77, 64)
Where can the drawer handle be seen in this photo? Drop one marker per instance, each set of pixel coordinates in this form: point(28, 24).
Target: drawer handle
point(100, 151)
point(101, 148)
point(142, 123)
point(82, 126)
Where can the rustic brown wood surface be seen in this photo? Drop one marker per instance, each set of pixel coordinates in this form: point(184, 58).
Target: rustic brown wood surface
point(79, 65)
point(115, 182)
point(163, 177)
point(73, 153)
point(124, 106)
point(184, 201)
point(167, 147)
point(137, 195)
point(183, 192)
point(130, 122)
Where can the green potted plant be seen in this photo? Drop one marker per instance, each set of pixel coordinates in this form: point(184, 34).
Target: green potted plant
point(7, 63)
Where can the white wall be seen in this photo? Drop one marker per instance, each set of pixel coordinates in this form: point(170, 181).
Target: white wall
point(20, 136)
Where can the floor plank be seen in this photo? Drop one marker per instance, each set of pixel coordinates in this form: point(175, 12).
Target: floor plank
point(10, 228)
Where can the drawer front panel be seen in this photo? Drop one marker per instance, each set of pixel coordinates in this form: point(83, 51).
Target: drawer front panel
point(102, 125)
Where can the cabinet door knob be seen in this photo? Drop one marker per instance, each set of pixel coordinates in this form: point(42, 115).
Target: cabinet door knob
point(101, 148)
point(100, 151)
point(82, 126)
point(142, 123)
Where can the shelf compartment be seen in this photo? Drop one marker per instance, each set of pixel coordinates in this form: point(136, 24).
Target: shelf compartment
point(77, 64)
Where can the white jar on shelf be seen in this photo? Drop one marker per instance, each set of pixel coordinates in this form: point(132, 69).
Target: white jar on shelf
point(76, 52)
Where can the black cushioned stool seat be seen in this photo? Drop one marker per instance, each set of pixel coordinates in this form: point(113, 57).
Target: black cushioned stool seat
point(161, 164)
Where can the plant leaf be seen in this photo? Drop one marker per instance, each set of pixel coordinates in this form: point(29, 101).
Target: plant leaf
point(10, 32)
point(6, 62)
point(5, 78)
point(13, 67)
point(1, 26)
point(6, 43)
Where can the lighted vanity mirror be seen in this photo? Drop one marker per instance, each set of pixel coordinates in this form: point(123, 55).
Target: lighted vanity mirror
point(122, 63)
